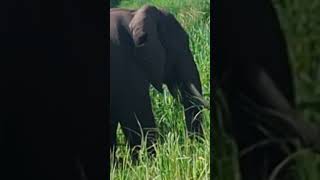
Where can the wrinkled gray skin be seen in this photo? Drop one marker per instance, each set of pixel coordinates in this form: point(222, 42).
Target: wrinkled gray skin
point(149, 46)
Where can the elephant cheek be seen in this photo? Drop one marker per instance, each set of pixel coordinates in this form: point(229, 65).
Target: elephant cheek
point(151, 59)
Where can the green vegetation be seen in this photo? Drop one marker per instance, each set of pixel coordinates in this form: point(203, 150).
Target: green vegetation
point(177, 156)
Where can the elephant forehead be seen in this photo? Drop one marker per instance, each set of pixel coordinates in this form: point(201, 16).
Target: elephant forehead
point(142, 21)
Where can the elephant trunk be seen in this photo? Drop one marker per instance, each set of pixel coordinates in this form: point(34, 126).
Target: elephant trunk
point(189, 85)
point(193, 103)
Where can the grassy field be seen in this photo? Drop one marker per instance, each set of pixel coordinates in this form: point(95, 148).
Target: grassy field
point(177, 156)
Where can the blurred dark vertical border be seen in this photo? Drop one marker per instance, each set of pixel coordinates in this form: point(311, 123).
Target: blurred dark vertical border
point(53, 68)
point(299, 22)
point(213, 81)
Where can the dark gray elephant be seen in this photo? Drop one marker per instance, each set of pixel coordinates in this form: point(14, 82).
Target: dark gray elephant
point(149, 46)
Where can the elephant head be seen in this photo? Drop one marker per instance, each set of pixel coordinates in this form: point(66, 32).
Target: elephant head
point(162, 51)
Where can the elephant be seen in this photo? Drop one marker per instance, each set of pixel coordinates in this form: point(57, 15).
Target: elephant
point(254, 74)
point(148, 46)
point(54, 79)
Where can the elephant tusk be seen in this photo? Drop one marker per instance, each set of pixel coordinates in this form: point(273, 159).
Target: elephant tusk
point(283, 122)
point(198, 96)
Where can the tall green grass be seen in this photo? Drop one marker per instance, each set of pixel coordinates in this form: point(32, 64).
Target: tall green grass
point(178, 157)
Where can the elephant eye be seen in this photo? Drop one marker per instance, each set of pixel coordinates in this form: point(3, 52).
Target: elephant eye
point(142, 39)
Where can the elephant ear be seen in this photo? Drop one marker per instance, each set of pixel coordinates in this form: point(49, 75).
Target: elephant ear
point(150, 55)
